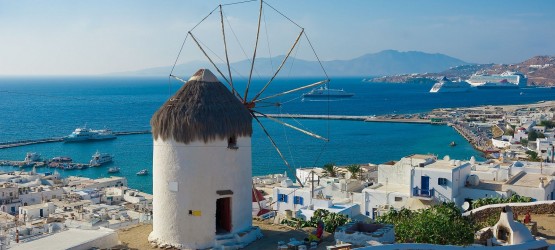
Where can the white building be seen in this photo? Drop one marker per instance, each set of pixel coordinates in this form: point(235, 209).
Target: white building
point(41, 210)
point(202, 167)
point(415, 182)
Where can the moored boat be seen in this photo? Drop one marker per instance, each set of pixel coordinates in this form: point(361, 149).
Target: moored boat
point(113, 170)
point(142, 172)
point(32, 156)
point(86, 134)
point(323, 93)
point(100, 159)
point(446, 85)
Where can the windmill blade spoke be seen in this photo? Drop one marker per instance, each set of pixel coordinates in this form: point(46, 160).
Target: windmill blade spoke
point(293, 127)
point(179, 79)
point(279, 68)
point(294, 90)
point(275, 146)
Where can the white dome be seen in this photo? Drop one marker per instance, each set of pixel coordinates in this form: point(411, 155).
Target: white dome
point(473, 180)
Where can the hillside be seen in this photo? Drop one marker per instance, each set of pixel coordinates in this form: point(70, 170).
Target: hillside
point(540, 71)
point(387, 62)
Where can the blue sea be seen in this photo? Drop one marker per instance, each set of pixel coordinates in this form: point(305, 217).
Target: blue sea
point(40, 107)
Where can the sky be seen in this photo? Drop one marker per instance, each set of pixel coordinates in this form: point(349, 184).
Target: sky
point(66, 37)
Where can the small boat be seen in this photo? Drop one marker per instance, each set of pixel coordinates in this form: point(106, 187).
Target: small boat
point(452, 144)
point(142, 172)
point(113, 170)
point(100, 159)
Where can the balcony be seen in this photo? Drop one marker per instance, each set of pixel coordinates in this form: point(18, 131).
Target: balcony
point(423, 194)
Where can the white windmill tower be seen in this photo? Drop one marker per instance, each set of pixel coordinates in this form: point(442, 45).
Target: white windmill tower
point(202, 163)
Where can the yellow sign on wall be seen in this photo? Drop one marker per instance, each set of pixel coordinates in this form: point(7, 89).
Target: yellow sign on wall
point(196, 213)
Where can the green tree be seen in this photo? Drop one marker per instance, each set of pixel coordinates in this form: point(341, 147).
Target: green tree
point(533, 135)
point(331, 220)
point(354, 169)
point(532, 155)
point(441, 224)
point(548, 123)
point(330, 169)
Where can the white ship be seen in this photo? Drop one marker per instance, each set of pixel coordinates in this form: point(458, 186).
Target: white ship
point(507, 79)
point(446, 85)
point(32, 156)
point(100, 158)
point(323, 93)
point(85, 134)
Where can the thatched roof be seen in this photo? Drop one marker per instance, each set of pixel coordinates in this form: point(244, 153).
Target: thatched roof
point(202, 109)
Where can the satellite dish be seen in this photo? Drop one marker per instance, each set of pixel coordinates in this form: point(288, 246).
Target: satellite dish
point(465, 206)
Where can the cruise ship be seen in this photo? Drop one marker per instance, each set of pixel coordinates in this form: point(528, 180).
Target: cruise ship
point(85, 134)
point(323, 93)
point(507, 79)
point(446, 85)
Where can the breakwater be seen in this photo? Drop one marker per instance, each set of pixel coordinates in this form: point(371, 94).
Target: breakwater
point(20, 143)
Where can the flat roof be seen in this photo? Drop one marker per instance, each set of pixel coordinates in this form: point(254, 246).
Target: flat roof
point(420, 156)
point(443, 165)
point(398, 188)
point(529, 180)
point(68, 239)
point(488, 185)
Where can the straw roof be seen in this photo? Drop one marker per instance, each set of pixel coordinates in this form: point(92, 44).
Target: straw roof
point(202, 109)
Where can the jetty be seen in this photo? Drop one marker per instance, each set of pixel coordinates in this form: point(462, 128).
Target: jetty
point(20, 143)
point(364, 118)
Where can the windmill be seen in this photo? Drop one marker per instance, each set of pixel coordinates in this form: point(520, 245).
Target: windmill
point(202, 160)
point(250, 99)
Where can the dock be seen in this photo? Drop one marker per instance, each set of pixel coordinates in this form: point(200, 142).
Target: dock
point(364, 118)
point(12, 144)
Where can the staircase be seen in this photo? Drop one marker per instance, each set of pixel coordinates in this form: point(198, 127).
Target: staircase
point(227, 242)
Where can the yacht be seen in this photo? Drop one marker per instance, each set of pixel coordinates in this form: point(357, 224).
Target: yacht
point(86, 134)
point(142, 172)
point(324, 93)
point(100, 159)
point(446, 85)
point(31, 157)
point(113, 170)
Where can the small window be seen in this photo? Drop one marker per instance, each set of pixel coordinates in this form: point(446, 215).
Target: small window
point(282, 198)
point(298, 200)
point(398, 198)
point(442, 181)
point(232, 142)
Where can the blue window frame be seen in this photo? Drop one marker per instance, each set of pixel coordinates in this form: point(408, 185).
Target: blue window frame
point(442, 181)
point(282, 198)
point(298, 200)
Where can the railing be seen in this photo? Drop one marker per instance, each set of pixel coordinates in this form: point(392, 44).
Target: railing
point(423, 192)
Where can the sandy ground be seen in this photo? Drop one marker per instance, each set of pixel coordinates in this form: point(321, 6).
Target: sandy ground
point(136, 237)
point(546, 226)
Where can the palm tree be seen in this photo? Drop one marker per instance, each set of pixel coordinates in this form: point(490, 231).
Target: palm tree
point(354, 169)
point(330, 169)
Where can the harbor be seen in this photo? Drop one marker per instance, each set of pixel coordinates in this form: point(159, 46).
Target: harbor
point(20, 143)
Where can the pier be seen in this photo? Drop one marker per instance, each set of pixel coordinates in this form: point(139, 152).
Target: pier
point(20, 143)
point(364, 118)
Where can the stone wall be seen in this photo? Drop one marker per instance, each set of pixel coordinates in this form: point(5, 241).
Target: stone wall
point(481, 215)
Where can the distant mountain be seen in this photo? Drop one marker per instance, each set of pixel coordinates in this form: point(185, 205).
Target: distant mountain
point(387, 62)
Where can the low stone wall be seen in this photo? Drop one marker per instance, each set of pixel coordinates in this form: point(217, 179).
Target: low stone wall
point(483, 213)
